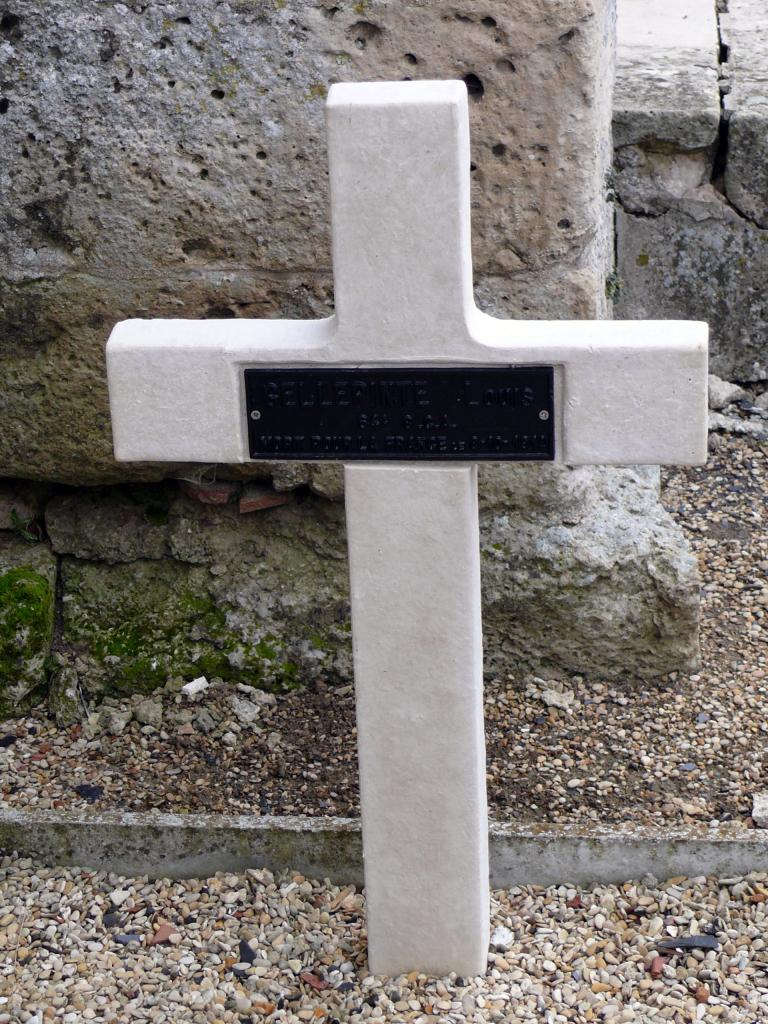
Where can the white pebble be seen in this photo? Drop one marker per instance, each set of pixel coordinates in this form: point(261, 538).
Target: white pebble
point(502, 936)
point(196, 686)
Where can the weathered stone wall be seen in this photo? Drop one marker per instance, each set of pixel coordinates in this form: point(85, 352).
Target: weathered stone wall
point(691, 136)
point(169, 160)
point(155, 584)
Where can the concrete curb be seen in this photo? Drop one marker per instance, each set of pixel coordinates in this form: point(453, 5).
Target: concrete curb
point(187, 845)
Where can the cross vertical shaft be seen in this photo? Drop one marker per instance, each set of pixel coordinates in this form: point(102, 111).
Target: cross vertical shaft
point(415, 586)
point(400, 215)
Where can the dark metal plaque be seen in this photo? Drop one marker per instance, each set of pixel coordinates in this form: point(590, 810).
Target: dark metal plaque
point(464, 413)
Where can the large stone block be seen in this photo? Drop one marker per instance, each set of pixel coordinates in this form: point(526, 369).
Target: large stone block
point(55, 411)
point(27, 591)
point(666, 75)
point(700, 256)
point(598, 581)
point(168, 160)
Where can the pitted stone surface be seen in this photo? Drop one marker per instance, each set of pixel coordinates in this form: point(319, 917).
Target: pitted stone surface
point(170, 161)
point(700, 255)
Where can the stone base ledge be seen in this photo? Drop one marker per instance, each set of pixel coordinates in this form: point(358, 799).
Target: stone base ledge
point(198, 845)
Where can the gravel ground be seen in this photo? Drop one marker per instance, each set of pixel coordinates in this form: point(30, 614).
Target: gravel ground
point(81, 946)
point(677, 751)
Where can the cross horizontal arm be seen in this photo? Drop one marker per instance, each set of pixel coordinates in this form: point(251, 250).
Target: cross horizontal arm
point(176, 389)
point(626, 392)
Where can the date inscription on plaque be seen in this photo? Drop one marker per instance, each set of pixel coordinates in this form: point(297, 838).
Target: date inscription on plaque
point(343, 414)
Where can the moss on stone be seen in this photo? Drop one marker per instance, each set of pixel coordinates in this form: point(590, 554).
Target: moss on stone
point(26, 630)
point(143, 622)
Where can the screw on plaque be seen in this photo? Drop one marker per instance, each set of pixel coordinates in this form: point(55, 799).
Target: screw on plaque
point(544, 414)
point(255, 414)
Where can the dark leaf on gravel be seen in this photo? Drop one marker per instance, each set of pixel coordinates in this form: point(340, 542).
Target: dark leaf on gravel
point(312, 979)
point(247, 955)
point(89, 793)
point(6, 741)
point(689, 942)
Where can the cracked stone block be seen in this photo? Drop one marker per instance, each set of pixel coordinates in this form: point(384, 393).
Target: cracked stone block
point(745, 33)
point(692, 178)
point(700, 260)
point(746, 173)
point(649, 181)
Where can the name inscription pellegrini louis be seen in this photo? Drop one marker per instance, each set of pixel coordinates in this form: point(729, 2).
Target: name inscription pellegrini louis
point(469, 413)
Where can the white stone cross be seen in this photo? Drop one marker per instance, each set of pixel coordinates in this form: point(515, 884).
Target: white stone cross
point(629, 392)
